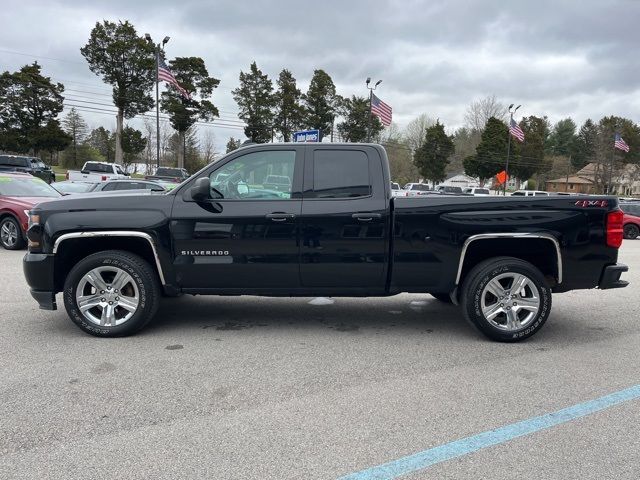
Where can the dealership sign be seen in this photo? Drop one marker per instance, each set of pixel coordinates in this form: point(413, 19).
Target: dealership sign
point(306, 136)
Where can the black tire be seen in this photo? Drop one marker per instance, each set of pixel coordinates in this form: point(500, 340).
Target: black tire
point(631, 231)
point(9, 227)
point(443, 297)
point(141, 277)
point(504, 270)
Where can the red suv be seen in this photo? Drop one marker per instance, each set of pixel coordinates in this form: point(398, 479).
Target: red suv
point(19, 192)
point(631, 219)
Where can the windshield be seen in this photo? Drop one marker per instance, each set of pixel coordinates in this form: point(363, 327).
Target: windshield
point(37, 163)
point(420, 186)
point(26, 187)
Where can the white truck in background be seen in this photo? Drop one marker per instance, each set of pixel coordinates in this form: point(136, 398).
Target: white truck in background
point(96, 172)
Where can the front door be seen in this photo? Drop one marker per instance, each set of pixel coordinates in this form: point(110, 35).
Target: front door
point(246, 235)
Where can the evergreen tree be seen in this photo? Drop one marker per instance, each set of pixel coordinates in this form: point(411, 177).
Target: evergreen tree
point(29, 105)
point(585, 148)
point(432, 157)
point(354, 127)
point(127, 62)
point(491, 152)
point(133, 144)
point(233, 144)
point(321, 102)
point(289, 113)
point(191, 73)
point(255, 99)
point(103, 141)
point(75, 126)
point(562, 140)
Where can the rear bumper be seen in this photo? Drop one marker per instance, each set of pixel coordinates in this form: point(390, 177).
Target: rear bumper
point(611, 277)
point(38, 270)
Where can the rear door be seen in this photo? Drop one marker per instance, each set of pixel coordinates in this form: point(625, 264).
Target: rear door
point(345, 218)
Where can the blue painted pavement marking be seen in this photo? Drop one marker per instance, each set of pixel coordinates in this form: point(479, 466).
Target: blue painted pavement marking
point(464, 446)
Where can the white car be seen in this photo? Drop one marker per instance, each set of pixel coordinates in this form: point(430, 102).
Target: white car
point(396, 191)
point(97, 172)
point(530, 193)
point(416, 189)
point(477, 191)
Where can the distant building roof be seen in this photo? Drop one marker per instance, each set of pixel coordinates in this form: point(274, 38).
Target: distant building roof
point(572, 179)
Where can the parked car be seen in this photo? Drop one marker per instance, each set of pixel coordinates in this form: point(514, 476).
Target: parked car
point(19, 192)
point(169, 174)
point(31, 165)
point(631, 219)
point(336, 232)
point(448, 190)
point(396, 191)
point(122, 185)
point(477, 191)
point(281, 183)
point(530, 193)
point(70, 187)
point(416, 189)
point(97, 172)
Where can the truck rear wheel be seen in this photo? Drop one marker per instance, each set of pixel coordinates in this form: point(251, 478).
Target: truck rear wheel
point(506, 298)
point(111, 294)
point(631, 231)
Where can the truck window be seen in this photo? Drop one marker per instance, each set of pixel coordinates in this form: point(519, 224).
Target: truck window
point(250, 176)
point(340, 174)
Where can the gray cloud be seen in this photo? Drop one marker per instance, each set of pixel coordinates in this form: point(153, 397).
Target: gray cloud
point(557, 58)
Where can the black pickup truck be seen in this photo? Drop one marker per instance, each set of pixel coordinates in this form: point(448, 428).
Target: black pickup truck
point(336, 231)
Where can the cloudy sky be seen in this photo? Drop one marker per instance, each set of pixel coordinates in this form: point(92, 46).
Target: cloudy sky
point(557, 58)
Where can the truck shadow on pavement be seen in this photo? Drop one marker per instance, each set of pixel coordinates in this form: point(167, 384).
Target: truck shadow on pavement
point(421, 314)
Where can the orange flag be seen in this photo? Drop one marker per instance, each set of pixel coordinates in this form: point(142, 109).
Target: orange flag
point(501, 177)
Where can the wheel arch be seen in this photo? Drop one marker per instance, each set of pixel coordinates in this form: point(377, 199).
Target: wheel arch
point(72, 247)
point(540, 249)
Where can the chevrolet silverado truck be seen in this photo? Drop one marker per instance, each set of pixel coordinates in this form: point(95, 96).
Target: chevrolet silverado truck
point(98, 172)
point(335, 231)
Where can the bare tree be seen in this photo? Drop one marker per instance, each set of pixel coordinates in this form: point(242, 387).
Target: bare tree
point(482, 110)
point(208, 147)
point(150, 150)
point(416, 131)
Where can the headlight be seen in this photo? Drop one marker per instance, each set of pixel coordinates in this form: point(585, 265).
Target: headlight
point(34, 232)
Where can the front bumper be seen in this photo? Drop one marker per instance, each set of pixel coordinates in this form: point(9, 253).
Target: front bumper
point(38, 270)
point(611, 277)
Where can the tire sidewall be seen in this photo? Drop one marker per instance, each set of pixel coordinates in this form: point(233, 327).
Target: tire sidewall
point(137, 320)
point(633, 228)
point(19, 239)
point(474, 304)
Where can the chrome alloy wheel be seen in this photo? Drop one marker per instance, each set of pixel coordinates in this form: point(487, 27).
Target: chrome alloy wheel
point(9, 234)
point(107, 296)
point(510, 301)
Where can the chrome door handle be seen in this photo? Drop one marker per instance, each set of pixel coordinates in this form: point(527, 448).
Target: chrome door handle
point(280, 217)
point(365, 217)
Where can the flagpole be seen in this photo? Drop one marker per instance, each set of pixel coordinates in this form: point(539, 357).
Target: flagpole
point(506, 166)
point(157, 107)
point(371, 89)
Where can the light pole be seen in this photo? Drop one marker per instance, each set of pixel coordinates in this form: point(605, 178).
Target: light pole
point(158, 47)
point(506, 167)
point(371, 89)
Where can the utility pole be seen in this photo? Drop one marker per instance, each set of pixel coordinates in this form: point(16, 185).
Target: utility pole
point(158, 47)
point(371, 89)
point(506, 167)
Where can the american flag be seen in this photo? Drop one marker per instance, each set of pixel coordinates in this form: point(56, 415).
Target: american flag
point(516, 131)
point(165, 74)
point(381, 110)
point(620, 144)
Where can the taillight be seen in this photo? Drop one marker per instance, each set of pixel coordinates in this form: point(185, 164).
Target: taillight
point(104, 178)
point(615, 228)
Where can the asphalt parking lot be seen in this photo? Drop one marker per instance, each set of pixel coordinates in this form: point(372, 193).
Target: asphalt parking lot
point(258, 388)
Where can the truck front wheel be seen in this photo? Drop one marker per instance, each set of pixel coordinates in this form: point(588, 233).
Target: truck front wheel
point(111, 293)
point(506, 298)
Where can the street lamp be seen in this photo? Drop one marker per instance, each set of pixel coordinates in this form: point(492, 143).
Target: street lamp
point(158, 47)
point(371, 89)
point(506, 167)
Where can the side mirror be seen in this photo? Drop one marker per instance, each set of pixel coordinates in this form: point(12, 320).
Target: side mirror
point(201, 189)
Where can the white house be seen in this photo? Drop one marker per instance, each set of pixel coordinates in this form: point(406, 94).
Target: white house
point(461, 180)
